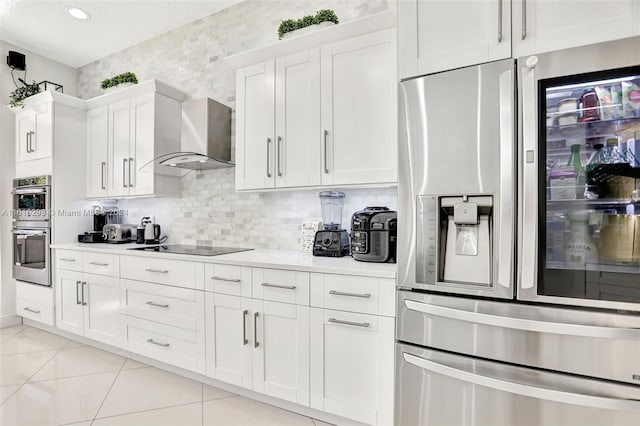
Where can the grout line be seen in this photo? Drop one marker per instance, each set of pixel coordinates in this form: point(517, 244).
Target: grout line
point(145, 411)
point(124, 361)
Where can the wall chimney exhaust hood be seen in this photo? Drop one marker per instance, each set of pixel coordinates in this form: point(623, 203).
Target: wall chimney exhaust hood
point(205, 141)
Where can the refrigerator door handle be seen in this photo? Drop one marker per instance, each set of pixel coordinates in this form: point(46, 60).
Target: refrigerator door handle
point(527, 390)
point(525, 324)
point(530, 174)
point(506, 206)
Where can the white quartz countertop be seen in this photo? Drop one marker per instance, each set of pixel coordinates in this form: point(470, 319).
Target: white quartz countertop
point(259, 258)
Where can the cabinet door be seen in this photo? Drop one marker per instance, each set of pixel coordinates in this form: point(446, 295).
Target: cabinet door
point(298, 136)
point(281, 356)
point(359, 110)
point(451, 34)
point(102, 309)
point(69, 308)
point(97, 153)
point(255, 121)
point(42, 140)
point(25, 131)
point(352, 365)
point(542, 25)
point(141, 146)
point(229, 339)
point(118, 148)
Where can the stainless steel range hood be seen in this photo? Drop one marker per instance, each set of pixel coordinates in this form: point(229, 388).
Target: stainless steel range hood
point(205, 142)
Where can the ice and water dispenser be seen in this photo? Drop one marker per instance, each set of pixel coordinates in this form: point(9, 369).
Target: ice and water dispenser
point(455, 239)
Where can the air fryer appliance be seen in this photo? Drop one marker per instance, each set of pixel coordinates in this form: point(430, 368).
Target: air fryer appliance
point(332, 240)
point(373, 235)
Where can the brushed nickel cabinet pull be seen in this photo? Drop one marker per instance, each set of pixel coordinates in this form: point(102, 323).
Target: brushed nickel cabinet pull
point(288, 287)
point(152, 303)
point(65, 259)
point(130, 163)
point(326, 166)
point(342, 293)
point(28, 309)
point(103, 168)
point(268, 163)
point(231, 280)
point(78, 301)
point(159, 271)
point(98, 264)
point(153, 342)
point(245, 341)
point(255, 330)
point(84, 283)
point(124, 173)
point(278, 155)
point(524, 19)
point(357, 324)
point(499, 21)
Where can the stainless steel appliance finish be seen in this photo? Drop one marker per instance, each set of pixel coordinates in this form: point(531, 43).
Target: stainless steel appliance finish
point(32, 255)
point(192, 250)
point(118, 233)
point(595, 344)
point(457, 141)
point(532, 71)
point(440, 388)
point(32, 199)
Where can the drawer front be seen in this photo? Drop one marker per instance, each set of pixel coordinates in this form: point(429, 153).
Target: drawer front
point(35, 310)
point(163, 271)
point(353, 293)
point(175, 346)
point(101, 264)
point(278, 285)
point(70, 260)
point(228, 279)
point(179, 307)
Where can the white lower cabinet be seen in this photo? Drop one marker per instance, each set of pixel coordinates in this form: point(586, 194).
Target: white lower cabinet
point(88, 305)
point(259, 345)
point(35, 302)
point(352, 365)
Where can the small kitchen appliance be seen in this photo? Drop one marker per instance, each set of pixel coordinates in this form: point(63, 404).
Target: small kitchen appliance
point(102, 215)
point(152, 233)
point(332, 240)
point(373, 235)
point(118, 233)
point(140, 230)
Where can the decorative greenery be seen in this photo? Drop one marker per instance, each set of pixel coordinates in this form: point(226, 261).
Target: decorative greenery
point(125, 77)
point(288, 25)
point(17, 97)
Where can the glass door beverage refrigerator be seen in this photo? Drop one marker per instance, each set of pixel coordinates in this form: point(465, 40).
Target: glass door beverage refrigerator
point(519, 242)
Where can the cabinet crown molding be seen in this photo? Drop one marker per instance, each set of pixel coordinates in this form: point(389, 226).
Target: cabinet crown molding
point(147, 86)
point(341, 31)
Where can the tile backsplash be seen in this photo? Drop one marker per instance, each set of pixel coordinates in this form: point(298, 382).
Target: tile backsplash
point(191, 58)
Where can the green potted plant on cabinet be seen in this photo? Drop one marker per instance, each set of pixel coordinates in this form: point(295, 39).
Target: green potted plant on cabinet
point(125, 79)
point(322, 18)
point(17, 97)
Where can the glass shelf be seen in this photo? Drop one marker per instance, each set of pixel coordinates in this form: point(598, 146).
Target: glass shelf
point(620, 267)
point(592, 129)
point(582, 202)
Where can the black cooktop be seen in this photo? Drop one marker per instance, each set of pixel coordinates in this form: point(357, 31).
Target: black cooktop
point(194, 250)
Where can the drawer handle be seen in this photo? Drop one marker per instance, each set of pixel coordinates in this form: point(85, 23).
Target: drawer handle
point(98, 264)
point(231, 280)
point(357, 324)
point(78, 301)
point(28, 309)
point(153, 342)
point(151, 303)
point(288, 287)
point(255, 330)
point(244, 327)
point(64, 259)
point(341, 293)
point(159, 271)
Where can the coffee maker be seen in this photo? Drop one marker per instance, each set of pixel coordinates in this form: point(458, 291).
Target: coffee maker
point(102, 215)
point(332, 240)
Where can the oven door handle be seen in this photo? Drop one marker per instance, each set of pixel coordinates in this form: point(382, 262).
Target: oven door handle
point(524, 389)
point(29, 231)
point(525, 324)
point(27, 191)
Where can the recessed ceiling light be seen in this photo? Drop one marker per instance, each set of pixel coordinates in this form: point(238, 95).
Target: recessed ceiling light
point(78, 13)
point(172, 164)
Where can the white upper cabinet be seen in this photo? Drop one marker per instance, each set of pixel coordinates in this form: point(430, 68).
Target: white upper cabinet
point(298, 119)
point(438, 35)
point(544, 25)
point(126, 130)
point(321, 116)
point(34, 131)
point(97, 154)
point(255, 114)
point(359, 110)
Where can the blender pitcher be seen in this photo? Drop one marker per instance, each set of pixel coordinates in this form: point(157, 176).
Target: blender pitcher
point(331, 204)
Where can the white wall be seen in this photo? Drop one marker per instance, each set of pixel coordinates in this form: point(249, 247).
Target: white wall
point(39, 68)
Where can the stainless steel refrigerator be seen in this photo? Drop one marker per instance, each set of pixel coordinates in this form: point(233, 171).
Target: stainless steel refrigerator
point(519, 242)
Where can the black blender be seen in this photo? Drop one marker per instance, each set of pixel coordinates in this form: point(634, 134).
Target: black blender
point(332, 240)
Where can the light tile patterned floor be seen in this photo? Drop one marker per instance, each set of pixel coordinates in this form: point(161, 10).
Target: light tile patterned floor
point(49, 380)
